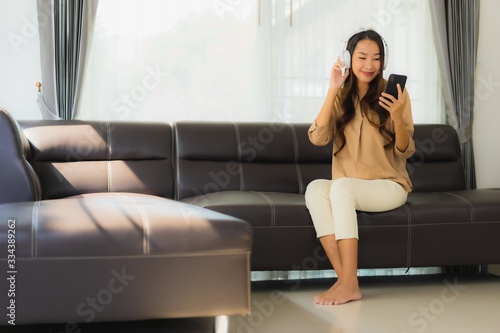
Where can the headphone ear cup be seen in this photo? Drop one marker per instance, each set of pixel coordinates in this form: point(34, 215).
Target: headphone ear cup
point(386, 55)
point(346, 58)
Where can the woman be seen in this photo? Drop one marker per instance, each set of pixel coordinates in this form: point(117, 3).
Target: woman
point(372, 138)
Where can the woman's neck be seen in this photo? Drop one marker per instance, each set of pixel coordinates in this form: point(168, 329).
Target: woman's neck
point(362, 89)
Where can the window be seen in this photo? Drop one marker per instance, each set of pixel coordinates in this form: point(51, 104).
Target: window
point(245, 60)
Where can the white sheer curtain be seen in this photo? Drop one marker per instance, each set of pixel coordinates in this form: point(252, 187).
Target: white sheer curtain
point(169, 60)
point(245, 60)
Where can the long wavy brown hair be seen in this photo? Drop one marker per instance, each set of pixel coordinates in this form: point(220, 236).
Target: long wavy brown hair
point(376, 115)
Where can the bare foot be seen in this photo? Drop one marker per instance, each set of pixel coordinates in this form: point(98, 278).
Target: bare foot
point(318, 298)
point(339, 293)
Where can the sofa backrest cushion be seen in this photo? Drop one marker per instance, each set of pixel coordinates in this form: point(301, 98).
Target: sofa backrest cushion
point(75, 157)
point(223, 156)
point(278, 157)
point(18, 181)
point(436, 164)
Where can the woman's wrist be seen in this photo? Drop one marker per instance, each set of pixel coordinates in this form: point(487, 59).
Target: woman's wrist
point(333, 88)
point(398, 121)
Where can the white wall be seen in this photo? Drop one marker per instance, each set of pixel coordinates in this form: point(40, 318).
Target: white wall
point(486, 130)
point(19, 58)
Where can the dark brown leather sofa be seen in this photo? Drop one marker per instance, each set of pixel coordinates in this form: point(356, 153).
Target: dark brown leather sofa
point(259, 173)
point(102, 202)
point(89, 230)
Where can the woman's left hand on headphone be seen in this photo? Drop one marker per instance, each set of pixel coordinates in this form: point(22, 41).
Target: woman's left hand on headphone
point(393, 105)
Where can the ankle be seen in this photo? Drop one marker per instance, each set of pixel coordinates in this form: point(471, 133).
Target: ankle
point(353, 281)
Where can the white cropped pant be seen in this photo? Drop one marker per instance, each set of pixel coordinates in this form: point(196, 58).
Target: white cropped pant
point(333, 203)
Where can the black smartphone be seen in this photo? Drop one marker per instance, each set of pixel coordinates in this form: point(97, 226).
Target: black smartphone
point(394, 79)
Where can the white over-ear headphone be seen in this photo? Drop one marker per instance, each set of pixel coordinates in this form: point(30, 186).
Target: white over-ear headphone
point(345, 55)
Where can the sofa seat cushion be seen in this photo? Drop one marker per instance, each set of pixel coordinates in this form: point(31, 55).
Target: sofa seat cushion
point(120, 224)
point(451, 207)
point(260, 209)
point(272, 209)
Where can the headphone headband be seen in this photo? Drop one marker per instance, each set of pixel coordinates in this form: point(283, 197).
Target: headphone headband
point(386, 49)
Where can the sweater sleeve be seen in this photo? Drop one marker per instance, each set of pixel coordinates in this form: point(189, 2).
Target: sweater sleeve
point(322, 135)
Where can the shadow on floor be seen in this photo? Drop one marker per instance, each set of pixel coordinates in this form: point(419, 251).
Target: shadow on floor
point(189, 325)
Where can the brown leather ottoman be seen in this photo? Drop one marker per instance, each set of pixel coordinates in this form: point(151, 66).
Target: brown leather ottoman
point(121, 256)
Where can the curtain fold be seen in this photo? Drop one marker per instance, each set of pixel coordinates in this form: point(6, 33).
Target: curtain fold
point(456, 30)
point(65, 39)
